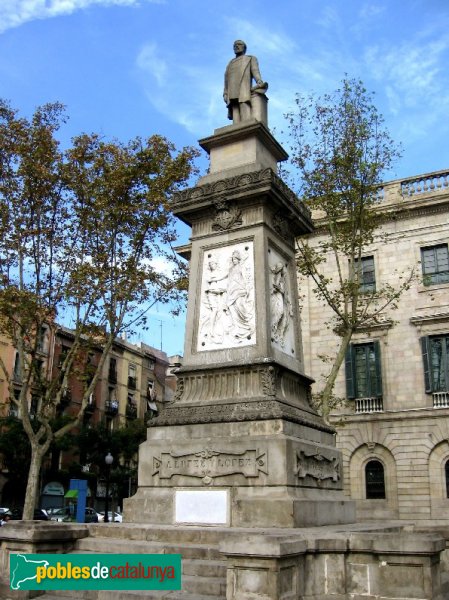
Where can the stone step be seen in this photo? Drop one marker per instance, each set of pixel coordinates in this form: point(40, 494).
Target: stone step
point(128, 595)
point(198, 567)
point(122, 546)
point(132, 531)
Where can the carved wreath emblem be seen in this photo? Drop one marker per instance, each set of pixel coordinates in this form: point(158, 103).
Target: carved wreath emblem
point(227, 215)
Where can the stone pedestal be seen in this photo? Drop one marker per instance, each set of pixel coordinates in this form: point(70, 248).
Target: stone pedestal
point(242, 421)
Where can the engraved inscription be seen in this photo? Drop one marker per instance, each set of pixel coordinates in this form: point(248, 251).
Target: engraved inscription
point(208, 464)
point(317, 466)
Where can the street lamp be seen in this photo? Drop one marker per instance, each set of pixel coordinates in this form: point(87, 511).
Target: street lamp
point(108, 459)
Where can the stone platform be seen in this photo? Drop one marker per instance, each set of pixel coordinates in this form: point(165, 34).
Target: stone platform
point(377, 561)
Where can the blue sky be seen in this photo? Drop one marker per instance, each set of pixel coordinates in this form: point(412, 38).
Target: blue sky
point(136, 67)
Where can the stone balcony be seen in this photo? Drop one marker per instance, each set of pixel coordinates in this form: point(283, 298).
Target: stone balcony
point(368, 405)
point(421, 186)
point(440, 399)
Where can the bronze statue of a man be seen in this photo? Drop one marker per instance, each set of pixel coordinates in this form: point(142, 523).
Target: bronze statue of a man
point(239, 75)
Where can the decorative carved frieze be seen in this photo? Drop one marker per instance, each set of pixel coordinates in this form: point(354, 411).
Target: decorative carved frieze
point(317, 466)
point(241, 184)
point(239, 411)
point(209, 464)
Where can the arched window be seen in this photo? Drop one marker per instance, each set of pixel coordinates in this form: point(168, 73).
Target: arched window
point(446, 471)
point(375, 480)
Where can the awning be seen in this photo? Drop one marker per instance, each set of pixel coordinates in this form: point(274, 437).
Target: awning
point(71, 494)
point(153, 406)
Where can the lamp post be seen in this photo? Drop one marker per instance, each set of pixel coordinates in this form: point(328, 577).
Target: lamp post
point(108, 459)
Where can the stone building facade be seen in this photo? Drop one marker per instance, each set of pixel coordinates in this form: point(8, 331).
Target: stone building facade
point(393, 428)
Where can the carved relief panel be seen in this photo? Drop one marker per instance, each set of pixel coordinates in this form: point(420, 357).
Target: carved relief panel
point(227, 316)
point(281, 308)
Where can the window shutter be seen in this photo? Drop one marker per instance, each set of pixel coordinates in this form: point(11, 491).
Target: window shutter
point(349, 371)
point(378, 390)
point(425, 347)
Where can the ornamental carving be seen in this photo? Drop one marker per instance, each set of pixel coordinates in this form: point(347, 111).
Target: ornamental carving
point(281, 225)
point(207, 464)
point(317, 466)
point(227, 216)
point(269, 381)
point(179, 389)
point(238, 184)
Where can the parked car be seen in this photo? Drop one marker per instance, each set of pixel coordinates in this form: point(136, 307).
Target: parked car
point(52, 510)
point(113, 517)
point(64, 514)
point(59, 514)
point(39, 514)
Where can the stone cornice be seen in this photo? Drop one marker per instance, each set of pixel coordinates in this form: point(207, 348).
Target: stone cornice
point(248, 184)
point(434, 318)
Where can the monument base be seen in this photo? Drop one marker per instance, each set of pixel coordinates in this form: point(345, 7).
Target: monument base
point(271, 473)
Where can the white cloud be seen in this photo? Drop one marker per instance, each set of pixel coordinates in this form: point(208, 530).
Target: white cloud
point(189, 95)
point(415, 82)
point(150, 61)
point(14, 13)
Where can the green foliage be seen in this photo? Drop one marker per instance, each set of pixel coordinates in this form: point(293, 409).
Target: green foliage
point(341, 149)
point(81, 234)
point(15, 450)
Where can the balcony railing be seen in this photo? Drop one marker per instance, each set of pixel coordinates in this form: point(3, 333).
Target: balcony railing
point(440, 399)
point(425, 183)
point(131, 411)
point(13, 411)
point(111, 408)
point(369, 405)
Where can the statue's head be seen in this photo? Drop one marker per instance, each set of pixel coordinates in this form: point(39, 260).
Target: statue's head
point(239, 47)
point(236, 257)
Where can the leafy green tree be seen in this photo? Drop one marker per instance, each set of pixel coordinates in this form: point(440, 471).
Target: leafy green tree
point(80, 230)
point(123, 443)
point(341, 149)
point(15, 451)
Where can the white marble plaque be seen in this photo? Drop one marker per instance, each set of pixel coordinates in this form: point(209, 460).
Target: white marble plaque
point(202, 507)
point(282, 329)
point(227, 316)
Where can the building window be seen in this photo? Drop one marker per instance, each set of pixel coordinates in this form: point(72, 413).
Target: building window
point(375, 480)
point(446, 472)
point(132, 376)
point(367, 277)
point(435, 352)
point(42, 340)
point(17, 368)
point(34, 406)
point(435, 264)
point(112, 370)
point(63, 355)
point(363, 371)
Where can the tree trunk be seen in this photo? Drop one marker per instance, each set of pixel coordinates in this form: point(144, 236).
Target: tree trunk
point(327, 392)
point(32, 483)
